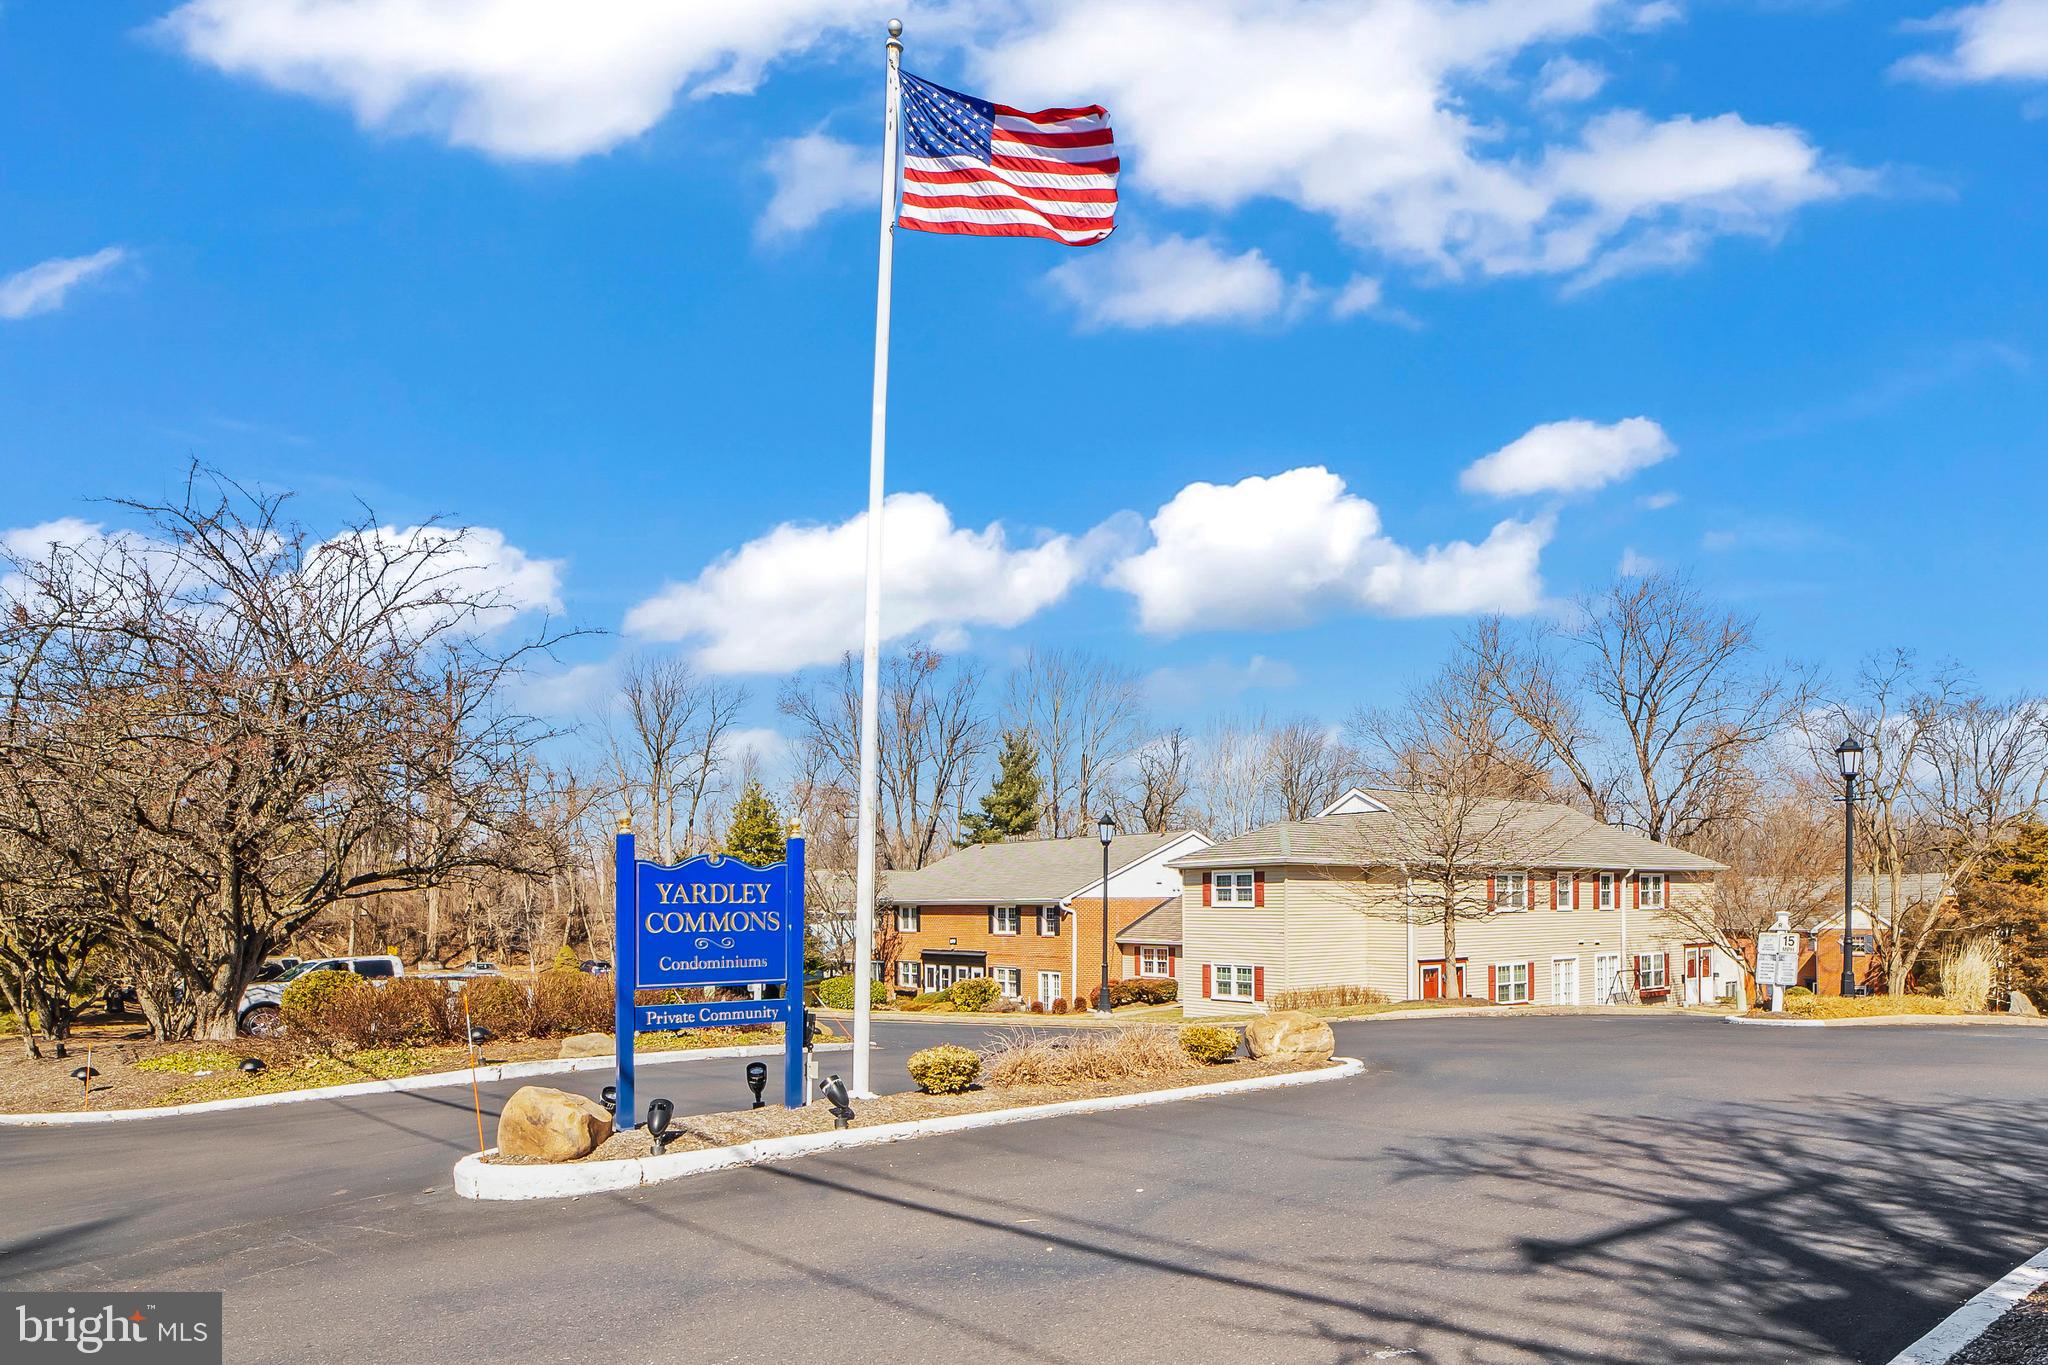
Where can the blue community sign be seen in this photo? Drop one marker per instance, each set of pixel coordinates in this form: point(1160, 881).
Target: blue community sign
point(710, 922)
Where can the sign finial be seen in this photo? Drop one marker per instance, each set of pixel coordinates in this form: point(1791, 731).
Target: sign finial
point(625, 822)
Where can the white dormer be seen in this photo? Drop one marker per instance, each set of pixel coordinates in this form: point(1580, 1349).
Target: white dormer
point(1353, 802)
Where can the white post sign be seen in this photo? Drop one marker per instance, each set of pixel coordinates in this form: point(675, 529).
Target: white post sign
point(1777, 963)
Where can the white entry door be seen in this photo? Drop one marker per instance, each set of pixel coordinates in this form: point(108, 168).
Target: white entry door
point(1564, 981)
point(1048, 988)
point(1606, 977)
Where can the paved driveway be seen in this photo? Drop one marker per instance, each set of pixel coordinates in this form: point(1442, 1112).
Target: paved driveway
point(1580, 1190)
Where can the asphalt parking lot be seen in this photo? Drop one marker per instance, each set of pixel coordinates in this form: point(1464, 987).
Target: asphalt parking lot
point(1553, 1189)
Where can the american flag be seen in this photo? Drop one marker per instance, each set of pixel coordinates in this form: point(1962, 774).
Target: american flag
point(992, 171)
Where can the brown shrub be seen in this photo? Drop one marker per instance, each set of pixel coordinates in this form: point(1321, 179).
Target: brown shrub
point(504, 1007)
point(337, 1007)
point(1094, 1055)
point(1328, 998)
point(571, 1002)
point(412, 1009)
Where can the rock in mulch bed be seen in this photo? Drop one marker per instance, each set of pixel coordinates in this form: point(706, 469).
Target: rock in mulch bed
point(699, 1132)
point(2018, 1338)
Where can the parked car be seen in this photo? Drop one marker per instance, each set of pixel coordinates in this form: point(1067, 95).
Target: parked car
point(260, 1013)
point(597, 967)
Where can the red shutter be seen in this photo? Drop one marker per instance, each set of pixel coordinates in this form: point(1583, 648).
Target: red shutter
point(1489, 893)
point(1173, 962)
point(1667, 971)
point(1258, 888)
point(1207, 991)
point(1635, 886)
point(1492, 990)
point(1205, 901)
point(1532, 986)
point(1258, 983)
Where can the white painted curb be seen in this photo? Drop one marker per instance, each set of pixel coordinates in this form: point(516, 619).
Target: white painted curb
point(478, 1179)
point(433, 1080)
point(1969, 1322)
point(1775, 1023)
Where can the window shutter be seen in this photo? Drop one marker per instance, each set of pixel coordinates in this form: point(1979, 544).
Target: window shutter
point(1205, 901)
point(1492, 986)
point(1529, 997)
point(1258, 888)
point(1173, 962)
point(1208, 991)
point(1258, 983)
point(991, 919)
point(1635, 885)
point(1489, 893)
point(1667, 971)
point(1636, 966)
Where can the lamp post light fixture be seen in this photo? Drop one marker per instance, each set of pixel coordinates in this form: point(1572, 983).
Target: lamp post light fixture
point(1849, 758)
point(1107, 831)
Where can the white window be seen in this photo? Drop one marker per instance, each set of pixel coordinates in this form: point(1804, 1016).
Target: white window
point(906, 975)
point(1607, 886)
point(1155, 961)
point(1511, 891)
point(1567, 891)
point(1003, 920)
point(1511, 983)
point(1233, 888)
point(1650, 972)
point(1231, 981)
point(1650, 888)
point(1048, 921)
point(906, 919)
point(1011, 980)
point(1048, 987)
point(877, 968)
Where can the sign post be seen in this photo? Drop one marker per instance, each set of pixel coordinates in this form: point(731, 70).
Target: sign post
point(1777, 960)
point(708, 922)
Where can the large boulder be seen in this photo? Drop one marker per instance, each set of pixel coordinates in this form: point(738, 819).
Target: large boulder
point(2020, 1003)
point(1290, 1036)
point(588, 1045)
point(551, 1125)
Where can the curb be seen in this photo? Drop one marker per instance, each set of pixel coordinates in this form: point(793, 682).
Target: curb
point(432, 1080)
point(1969, 1322)
point(476, 1179)
point(1897, 1021)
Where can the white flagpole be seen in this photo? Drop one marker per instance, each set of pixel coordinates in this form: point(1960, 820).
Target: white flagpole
point(871, 645)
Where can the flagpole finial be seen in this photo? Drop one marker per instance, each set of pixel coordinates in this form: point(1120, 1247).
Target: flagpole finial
point(895, 29)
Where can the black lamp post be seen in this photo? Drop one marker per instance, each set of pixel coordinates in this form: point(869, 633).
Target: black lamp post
point(1849, 757)
point(1107, 830)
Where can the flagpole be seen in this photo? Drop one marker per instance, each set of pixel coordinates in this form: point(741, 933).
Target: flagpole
point(871, 640)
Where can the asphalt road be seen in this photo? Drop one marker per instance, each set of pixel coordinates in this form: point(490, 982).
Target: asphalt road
point(1553, 1189)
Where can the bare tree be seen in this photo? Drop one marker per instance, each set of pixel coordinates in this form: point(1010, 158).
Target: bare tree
point(1233, 776)
point(1649, 699)
point(1307, 766)
point(668, 745)
point(1781, 860)
point(1162, 781)
point(1084, 716)
point(254, 714)
point(932, 732)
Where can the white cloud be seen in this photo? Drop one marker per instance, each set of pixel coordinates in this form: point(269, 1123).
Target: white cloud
point(1360, 294)
point(526, 79)
point(1175, 281)
point(1187, 687)
point(1281, 550)
point(1356, 113)
point(1574, 456)
point(2000, 40)
point(478, 564)
point(1635, 564)
point(816, 175)
point(32, 542)
point(793, 597)
point(1567, 80)
point(1657, 502)
point(41, 288)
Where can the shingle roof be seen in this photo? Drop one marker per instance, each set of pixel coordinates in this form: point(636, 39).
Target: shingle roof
point(1529, 833)
point(1160, 924)
point(1030, 871)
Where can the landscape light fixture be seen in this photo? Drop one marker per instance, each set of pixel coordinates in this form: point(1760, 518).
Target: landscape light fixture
point(1106, 830)
point(479, 1035)
point(660, 1113)
point(609, 1098)
point(249, 1066)
point(834, 1090)
point(757, 1081)
point(1849, 758)
point(84, 1076)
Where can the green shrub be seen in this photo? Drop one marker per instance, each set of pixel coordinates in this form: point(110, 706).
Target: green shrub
point(1137, 991)
point(1208, 1043)
point(976, 992)
point(331, 1006)
point(836, 993)
point(946, 1069)
point(502, 1006)
point(566, 961)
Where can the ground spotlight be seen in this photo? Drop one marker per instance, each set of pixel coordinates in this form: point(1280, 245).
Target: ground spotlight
point(834, 1090)
point(479, 1035)
point(757, 1080)
point(250, 1065)
point(609, 1098)
point(660, 1113)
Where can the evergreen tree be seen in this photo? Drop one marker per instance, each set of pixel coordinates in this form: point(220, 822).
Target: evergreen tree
point(1010, 810)
point(755, 835)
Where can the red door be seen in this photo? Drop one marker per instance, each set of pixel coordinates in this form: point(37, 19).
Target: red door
point(1433, 980)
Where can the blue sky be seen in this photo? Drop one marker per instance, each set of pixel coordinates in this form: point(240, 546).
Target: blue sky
point(603, 287)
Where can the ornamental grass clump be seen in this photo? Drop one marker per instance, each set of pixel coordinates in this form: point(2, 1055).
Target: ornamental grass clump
point(947, 1069)
point(1328, 998)
point(1208, 1044)
point(1085, 1056)
point(1966, 972)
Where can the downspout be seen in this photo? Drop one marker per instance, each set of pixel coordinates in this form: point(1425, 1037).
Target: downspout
point(1410, 972)
point(1074, 944)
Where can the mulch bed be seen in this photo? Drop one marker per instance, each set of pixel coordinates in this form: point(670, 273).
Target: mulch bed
point(699, 1132)
point(32, 1086)
point(2018, 1338)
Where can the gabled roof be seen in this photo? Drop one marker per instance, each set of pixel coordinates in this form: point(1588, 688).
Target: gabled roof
point(1029, 871)
point(1159, 925)
point(1534, 834)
